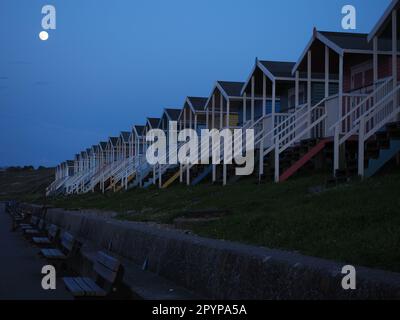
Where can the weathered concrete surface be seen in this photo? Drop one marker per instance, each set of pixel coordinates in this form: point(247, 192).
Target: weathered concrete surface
point(225, 270)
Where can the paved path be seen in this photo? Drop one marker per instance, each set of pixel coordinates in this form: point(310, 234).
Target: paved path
point(20, 267)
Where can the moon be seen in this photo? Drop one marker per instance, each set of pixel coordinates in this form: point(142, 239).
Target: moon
point(43, 35)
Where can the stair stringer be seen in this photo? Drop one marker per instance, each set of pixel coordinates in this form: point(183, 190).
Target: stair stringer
point(303, 160)
point(385, 155)
point(202, 175)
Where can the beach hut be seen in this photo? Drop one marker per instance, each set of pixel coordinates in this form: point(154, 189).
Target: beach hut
point(223, 109)
point(333, 111)
point(193, 114)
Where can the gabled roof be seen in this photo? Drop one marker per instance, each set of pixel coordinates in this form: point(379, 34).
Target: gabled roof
point(197, 103)
point(340, 42)
point(277, 68)
point(103, 145)
point(384, 20)
point(138, 130)
point(349, 41)
point(272, 69)
point(228, 89)
point(153, 122)
point(231, 88)
point(113, 140)
point(172, 114)
point(125, 136)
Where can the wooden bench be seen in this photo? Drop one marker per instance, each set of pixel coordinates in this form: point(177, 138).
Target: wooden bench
point(52, 233)
point(33, 223)
point(39, 231)
point(69, 247)
point(35, 218)
point(108, 275)
point(18, 214)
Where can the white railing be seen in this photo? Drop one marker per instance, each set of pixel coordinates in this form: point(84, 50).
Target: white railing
point(383, 112)
point(130, 170)
point(259, 126)
point(289, 131)
point(77, 185)
point(348, 124)
point(126, 169)
point(100, 176)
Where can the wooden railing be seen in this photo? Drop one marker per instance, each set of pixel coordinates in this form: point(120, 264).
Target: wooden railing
point(355, 107)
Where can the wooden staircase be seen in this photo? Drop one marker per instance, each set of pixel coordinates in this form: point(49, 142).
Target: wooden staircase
point(314, 148)
point(170, 179)
point(382, 148)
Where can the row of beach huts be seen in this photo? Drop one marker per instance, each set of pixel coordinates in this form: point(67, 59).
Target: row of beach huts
point(337, 106)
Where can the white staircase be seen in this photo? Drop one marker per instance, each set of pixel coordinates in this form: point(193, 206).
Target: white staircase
point(366, 118)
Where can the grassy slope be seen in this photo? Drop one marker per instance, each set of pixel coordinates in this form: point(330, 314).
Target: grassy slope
point(27, 185)
point(357, 223)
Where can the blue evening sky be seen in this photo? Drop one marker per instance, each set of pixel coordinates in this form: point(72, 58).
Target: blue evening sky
point(112, 63)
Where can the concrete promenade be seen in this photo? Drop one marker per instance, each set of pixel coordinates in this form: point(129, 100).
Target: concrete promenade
point(20, 267)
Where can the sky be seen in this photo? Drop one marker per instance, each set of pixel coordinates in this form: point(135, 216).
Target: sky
point(111, 63)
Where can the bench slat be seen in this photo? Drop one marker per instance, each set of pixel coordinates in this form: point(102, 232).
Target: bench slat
point(41, 240)
point(67, 241)
point(91, 288)
point(52, 254)
point(108, 261)
point(73, 287)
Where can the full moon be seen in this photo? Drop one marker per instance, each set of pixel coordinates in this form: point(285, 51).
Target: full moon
point(43, 35)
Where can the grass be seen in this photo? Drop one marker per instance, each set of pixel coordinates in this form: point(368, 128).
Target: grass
point(357, 223)
point(25, 185)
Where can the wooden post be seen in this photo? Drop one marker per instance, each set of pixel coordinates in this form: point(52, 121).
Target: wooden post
point(326, 72)
point(336, 149)
point(273, 103)
point(221, 111)
point(188, 174)
point(224, 174)
point(277, 159)
point(297, 90)
point(190, 119)
point(184, 118)
point(252, 98)
point(227, 114)
point(213, 126)
point(264, 95)
point(213, 112)
point(394, 47)
point(375, 60)
point(227, 126)
point(159, 177)
point(244, 107)
point(361, 145)
point(309, 100)
point(394, 59)
point(261, 149)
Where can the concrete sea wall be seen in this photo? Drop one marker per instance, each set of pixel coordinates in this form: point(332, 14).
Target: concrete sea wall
point(223, 270)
